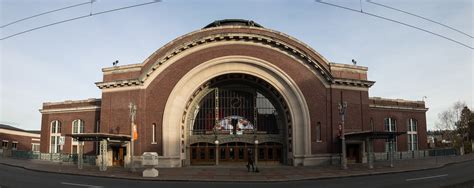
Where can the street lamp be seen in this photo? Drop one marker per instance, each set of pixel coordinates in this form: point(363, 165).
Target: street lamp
point(133, 111)
point(255, 155)
point(342, 111)
point(217, 151)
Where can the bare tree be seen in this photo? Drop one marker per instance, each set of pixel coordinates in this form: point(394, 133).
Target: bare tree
point(449, 119)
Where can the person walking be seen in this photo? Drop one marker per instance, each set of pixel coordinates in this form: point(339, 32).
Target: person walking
point(250, 162)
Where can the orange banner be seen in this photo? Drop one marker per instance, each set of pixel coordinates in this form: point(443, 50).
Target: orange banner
point(135, 132)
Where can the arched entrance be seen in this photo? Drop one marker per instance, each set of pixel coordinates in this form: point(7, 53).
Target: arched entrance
point(178, 109)
point(229, 114)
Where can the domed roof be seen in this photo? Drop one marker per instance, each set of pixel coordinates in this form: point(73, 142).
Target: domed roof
point(235, 22)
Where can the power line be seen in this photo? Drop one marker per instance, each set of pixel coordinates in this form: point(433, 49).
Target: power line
point(395, 21)
point(427, 19)
point(47, 12)
point(77, 18)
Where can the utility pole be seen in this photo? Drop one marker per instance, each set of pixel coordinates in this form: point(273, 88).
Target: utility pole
point(342, 111)
point(133, 111)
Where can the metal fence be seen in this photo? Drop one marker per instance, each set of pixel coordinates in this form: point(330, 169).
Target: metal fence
point(401, 155)
point(54, 157)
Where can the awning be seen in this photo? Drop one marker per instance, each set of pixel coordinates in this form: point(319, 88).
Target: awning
point(99, 136)
point(362, 135)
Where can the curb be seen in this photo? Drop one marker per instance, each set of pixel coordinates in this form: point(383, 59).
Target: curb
point(238, 181)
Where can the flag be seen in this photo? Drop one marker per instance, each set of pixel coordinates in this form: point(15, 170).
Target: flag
point(135, 132)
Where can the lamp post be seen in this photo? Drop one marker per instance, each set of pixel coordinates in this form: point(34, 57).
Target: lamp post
point(342, 111)
point(256, 158)
point(217, 151)
point(133, 111)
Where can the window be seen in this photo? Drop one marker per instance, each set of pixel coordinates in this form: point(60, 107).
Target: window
point(412, 135)
point(77, 128)
point(55, 134)
point(153, 140)
point(372, 124)
point(14, 145)
point(35, 147)
point(5, 144)
point(318, 132)
point(390, 125)
point(55, 127)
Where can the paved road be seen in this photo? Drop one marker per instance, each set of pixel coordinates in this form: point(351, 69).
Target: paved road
point(456, 175)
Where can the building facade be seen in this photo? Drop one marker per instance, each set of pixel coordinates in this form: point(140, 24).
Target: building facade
point(13, 138)
point(230, 91)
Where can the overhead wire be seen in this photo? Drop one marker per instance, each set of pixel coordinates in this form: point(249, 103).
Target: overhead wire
point(396, 21)
point(418, 16)
point(79, 17)
point(47, 12)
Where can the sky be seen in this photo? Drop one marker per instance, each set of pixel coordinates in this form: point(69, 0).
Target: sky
point(62, 62)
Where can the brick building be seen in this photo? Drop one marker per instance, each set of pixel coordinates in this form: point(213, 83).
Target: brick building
point(13, 138)
point(230, 91)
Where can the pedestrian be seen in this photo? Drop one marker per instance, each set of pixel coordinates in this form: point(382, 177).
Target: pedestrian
point(250, 162)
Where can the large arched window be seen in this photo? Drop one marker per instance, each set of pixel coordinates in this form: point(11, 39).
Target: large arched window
point(55, 135)
point(235, 110)
point(77, 127)
point(412, 135)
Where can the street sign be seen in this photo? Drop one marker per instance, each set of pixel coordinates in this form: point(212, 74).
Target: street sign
point(62, 140)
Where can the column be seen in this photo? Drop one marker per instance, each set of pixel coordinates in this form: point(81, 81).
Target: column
point(370, 150)
point(391, 152)
point(80, 156)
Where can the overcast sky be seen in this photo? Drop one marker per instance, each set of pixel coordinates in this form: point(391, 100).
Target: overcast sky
point(63, 62)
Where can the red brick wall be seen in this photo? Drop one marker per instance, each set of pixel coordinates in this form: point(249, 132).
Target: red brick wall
point(24, 142)
point(89, 117)
point(401, 116)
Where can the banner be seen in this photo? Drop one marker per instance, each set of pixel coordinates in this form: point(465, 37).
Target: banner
point(135, 132)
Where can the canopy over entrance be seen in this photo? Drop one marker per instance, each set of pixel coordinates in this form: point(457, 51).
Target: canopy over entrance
point(369, 136)
point(362, 135)
point(104, 139)
point(99, 136)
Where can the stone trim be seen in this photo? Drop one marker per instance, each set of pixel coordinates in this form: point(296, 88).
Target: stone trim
point(118, 83)
point(353, 82)
point(395, 100)
point(71, 102)
point(123, 68)
point(398, 108)
point(312, 64)
point(69, 110)
point(19, 133)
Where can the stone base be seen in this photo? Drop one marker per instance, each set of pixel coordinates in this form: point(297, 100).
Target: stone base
point(150, 173)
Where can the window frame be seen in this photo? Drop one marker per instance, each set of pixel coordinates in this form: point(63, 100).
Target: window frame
point(76, 125)
point(55, 131)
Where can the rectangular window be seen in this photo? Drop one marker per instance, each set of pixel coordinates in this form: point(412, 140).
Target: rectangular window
point(35, 147)
point(14, 145)
point(261, 153)
point(74, 149)
point(223, 152)
point(5, 144)
point(212, 153)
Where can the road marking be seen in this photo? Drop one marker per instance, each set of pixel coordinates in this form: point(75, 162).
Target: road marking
point(81, 185)
point(427, 177)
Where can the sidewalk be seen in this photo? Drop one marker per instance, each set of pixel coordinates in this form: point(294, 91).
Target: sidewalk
point(239, 173)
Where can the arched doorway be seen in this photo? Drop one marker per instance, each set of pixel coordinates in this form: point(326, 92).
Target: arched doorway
point(237, 110)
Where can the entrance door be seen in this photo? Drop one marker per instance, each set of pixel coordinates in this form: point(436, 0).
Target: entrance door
point(118, 155)
point(235, 153)
point(353, 153)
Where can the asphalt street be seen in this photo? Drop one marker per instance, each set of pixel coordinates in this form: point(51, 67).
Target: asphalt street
point(454, 175)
